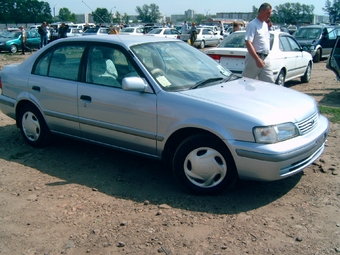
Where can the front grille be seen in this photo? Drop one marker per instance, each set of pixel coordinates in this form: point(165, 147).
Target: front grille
point(308, 124)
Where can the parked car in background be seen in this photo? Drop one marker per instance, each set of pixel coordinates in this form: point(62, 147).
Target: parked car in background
point(132, 31)
point(205, 37)
point(97, 31)
point(74, 32)
point(287, 58)
point(10, 41)
point(170, 33)
point(49, 34)
point(168, 101)
point(317, 39)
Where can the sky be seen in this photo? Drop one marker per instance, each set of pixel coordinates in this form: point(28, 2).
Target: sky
point(173, 6)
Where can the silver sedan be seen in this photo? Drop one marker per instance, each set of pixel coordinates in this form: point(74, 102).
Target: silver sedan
point(164, 99)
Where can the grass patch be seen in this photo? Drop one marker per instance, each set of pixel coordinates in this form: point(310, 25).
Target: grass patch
point(333, 113)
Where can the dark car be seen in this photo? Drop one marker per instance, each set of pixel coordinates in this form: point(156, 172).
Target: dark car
point(333, 62)
point(317, 39)
point(10, 41)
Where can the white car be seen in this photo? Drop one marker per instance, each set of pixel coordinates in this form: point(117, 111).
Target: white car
point(132, 31)
point(74, 32)
point(205, 37)
point(287, 57)
point(170, 33)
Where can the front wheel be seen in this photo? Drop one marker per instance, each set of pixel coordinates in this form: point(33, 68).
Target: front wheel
point(33, 127)
point(13, 48)
point(317, 56)
point(308, 73)
point(204, 165)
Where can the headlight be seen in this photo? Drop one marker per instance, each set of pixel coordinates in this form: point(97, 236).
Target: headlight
point(312, 47)
point(276, 133)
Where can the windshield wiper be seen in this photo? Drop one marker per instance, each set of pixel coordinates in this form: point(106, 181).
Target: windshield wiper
point(204, 82)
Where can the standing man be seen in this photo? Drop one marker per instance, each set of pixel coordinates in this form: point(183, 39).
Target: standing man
point(62, 31)
point(42, 30)
point(23, 39)
point(193, 33)
point(258, 45)
point(184, 27)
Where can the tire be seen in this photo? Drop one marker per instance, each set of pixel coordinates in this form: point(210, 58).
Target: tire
point(308, 73)
point(204, 165)
point(13, 48)
point(280, 80)
point(33, 127)
point(202, 44)
point(317, 56)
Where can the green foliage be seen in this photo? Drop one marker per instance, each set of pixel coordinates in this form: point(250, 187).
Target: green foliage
point(66, 15)
point(119, 18)
point(102, 16)
point(148, 13)
point(293, 13)
point(24, 11)
point(333, 11)
point(333, 113)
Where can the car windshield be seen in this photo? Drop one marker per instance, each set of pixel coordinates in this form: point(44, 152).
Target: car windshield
point(178, 66)
point(155, 31)
point(308, 33)
point(10, 35)
point(92, 30)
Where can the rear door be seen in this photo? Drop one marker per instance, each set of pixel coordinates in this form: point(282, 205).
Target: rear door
point(54, 86)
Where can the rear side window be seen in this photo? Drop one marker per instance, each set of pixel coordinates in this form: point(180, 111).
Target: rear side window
point(62, 63)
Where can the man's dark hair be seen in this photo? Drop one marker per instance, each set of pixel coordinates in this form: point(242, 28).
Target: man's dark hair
point(265, 6)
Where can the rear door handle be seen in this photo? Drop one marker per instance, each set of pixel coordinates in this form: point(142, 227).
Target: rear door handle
point(36, 88)
point(86, 98)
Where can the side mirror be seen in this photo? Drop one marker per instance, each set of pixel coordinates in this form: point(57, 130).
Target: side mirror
point(333, 62)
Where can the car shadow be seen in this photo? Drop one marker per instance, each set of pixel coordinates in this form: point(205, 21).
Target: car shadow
point(127, 176)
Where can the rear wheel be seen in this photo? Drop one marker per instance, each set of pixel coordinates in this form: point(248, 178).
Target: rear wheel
point(202, 44)
point(33, 127)
point(306, 77)
point(204, 165)
point(317, 56)
point(280, 80)
point(13, 48)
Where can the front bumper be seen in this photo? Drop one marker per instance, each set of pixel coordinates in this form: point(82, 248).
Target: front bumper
point(269, 162)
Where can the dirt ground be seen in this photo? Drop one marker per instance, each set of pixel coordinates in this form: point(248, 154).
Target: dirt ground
point(77, 198)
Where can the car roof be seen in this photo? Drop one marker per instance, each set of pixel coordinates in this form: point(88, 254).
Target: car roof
point(126, 40)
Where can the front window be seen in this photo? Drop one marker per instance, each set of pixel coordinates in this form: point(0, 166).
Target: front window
point(178, 66)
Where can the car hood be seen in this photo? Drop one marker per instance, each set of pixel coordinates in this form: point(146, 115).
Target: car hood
point(267, 102)
point(303, 42)
point(4, 39)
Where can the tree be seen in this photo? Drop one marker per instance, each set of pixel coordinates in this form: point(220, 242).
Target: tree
point(333, 11)
point(293, 13)
point(148, 13)
point(66, 15)
point(24, 11)
point(102, 15)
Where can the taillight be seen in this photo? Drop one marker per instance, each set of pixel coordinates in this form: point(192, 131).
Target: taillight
point(214, 56)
